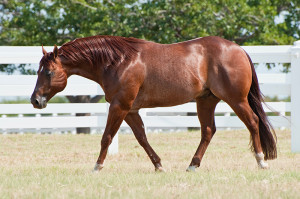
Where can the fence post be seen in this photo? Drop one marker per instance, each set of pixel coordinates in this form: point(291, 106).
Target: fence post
point(21, 131)
point(73, 131)
point(295, 97)
point(4, 130)
point(38, 130)
point(55, 130)
point(227, 115)
point(143, 114)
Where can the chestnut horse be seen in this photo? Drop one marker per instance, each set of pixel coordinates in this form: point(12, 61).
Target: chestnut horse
point(136, 74)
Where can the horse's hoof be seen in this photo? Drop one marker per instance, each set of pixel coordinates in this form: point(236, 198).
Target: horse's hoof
point(160, 169)
point(263, 165)
point(191, 169)
point(98, 167)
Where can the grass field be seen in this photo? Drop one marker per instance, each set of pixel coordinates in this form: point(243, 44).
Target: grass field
point(59, 166)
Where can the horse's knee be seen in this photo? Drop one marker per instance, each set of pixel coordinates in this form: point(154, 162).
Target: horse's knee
point(105, 141)
point(121, 105)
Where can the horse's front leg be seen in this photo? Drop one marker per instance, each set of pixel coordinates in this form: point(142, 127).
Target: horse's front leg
point(117, 113)
point(134, 120)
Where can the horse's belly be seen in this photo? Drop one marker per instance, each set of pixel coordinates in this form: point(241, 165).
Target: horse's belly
point(165, 94)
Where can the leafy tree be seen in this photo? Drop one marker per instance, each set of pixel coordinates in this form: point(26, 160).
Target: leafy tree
point(246, 22)
point(34, 22)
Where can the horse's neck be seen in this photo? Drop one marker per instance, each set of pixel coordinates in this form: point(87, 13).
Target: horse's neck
point(85, 70)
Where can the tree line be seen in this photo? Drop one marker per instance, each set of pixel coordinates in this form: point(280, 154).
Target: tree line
point(246, 22)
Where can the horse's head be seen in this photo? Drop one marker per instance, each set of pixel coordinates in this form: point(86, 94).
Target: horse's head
point(52, 78)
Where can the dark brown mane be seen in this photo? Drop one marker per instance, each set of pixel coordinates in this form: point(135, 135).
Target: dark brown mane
point(100, 50)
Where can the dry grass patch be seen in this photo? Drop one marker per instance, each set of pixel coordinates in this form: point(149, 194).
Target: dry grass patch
point(59, 166)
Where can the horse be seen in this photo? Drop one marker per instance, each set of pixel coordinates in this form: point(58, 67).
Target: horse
point(136, 73)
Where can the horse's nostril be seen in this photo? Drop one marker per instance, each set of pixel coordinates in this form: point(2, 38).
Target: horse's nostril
point(37, 102)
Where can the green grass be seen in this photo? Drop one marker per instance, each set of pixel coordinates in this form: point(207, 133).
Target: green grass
point(60, 166)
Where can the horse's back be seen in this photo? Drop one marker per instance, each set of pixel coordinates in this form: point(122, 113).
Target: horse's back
point(178, 73)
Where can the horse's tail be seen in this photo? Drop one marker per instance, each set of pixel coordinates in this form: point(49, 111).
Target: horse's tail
point(266, 132)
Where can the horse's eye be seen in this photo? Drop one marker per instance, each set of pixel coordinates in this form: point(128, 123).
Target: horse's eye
point(48, 73)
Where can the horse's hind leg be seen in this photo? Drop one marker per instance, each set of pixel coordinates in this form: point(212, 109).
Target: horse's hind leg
point(250, 119)
point(134, 120)
point(205, 108)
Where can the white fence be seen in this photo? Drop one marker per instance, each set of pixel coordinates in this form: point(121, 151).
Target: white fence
point(60, 117)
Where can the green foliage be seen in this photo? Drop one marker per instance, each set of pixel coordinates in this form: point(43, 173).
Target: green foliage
point(102, 100)
point(10, 68)
point(17, 100)
point(58, 99)
point(246, 22)
point(276, 99)
point(21, 100)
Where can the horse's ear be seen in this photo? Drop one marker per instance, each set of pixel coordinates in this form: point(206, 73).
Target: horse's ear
point(55, 51)
point(44, 51)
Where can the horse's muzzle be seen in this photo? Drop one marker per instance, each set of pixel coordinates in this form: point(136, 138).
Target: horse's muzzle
point(39, 102)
